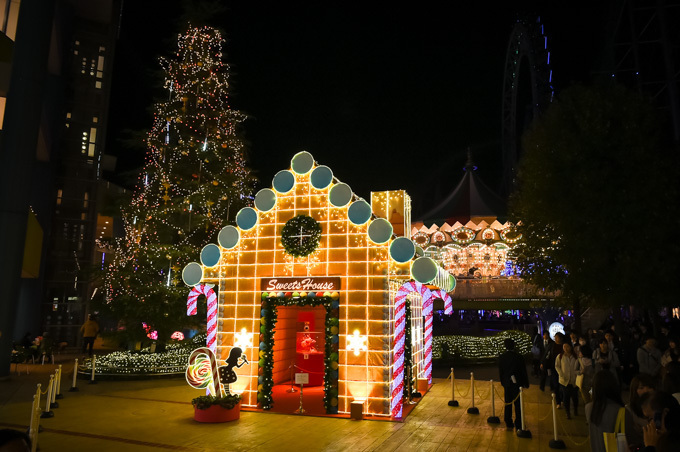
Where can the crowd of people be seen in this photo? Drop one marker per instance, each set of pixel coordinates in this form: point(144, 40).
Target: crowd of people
point(596, 367)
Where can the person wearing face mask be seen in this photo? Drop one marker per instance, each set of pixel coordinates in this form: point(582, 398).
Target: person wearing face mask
point(585, 368)
point(566, 365)
point(554, 377)
point(606, 359)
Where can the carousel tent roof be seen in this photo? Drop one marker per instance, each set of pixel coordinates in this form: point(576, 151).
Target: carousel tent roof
point(472, 200)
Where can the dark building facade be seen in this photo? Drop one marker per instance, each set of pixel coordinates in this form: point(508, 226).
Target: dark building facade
point(55, 63)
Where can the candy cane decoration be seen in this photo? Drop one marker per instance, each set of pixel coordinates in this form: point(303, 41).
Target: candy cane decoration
point(448, 303)
point(202, 371)
point(399, 337)
point(211, 298)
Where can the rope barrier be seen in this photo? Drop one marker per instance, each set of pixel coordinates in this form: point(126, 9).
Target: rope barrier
point(569, 437)
point(546, 416)
point(502, 396)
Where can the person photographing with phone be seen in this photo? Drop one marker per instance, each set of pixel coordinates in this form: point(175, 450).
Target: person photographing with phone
point(662, 434)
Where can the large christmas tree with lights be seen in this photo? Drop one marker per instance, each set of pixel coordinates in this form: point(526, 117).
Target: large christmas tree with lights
point(194, 179)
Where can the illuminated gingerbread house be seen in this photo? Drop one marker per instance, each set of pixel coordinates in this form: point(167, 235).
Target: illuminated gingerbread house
point(314, 280)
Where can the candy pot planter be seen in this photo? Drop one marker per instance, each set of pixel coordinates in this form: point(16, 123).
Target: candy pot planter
point(216, 413)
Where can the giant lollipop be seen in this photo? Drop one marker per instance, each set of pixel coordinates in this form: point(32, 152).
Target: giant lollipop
point(202, 371)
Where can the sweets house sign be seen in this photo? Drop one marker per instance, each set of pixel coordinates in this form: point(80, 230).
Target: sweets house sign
point(299, 284)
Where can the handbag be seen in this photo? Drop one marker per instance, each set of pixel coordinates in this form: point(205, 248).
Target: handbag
point(616, 440)
point(579, 381)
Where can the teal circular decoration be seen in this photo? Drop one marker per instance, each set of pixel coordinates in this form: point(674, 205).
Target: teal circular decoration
point(265, 200)
point(359, 212)
point(302, 162)
point(380, 231)
point(246, 218)
point(340, 195)
point(402, 250)
point(322, 176)
point(192, 274)
point(228, 237)
point(210, 255)
point(424, 270)
point(283, 181)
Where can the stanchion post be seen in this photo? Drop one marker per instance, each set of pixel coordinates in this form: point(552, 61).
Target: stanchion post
point(301, 410)
point(555, 443)
point(53, 403)
point(473, 409)
point(292, 379)
point(493, 419)
point(74, 388)
point(453, 401)
point(94, 361)
point(35, 419)
point(59, 394)
point(48, 401)
point(523, 433)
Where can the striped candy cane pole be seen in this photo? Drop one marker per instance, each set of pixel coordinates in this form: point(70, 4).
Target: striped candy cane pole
point(427, 334)
point(398, 367)
point(399, 336)
point(198, 375)
point(211, 298)
point(448, 303)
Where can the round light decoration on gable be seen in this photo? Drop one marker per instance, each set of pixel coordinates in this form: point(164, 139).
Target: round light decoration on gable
point(402, 250)
point(340, 195)
point(463, 235)
point(380, 231)
point(300, 236)
point(228, 237)
point(192, 274)
point(424, 270)
point(302, 162)
point(265, 200)
point(322, 177)
point(284, 181)
point(210, 255)
point(359, 212)
point(246, 218)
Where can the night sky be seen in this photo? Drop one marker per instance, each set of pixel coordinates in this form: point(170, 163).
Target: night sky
point(387, 97)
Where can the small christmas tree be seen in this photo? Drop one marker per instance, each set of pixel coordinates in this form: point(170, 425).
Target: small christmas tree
point(194, 179)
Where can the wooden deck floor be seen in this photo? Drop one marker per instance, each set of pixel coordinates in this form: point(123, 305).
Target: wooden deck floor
point(152, 415)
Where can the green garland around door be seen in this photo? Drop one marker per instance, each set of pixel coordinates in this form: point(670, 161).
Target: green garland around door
point(268, 318)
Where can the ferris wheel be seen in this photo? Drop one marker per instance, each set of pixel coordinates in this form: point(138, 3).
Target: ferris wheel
point(527, 89)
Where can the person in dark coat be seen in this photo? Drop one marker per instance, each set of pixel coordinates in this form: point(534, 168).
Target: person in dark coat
point(537, 352)
point(547, 359)
point(513, 375)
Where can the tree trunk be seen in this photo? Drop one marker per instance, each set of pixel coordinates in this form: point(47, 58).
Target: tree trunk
point(577, 315)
